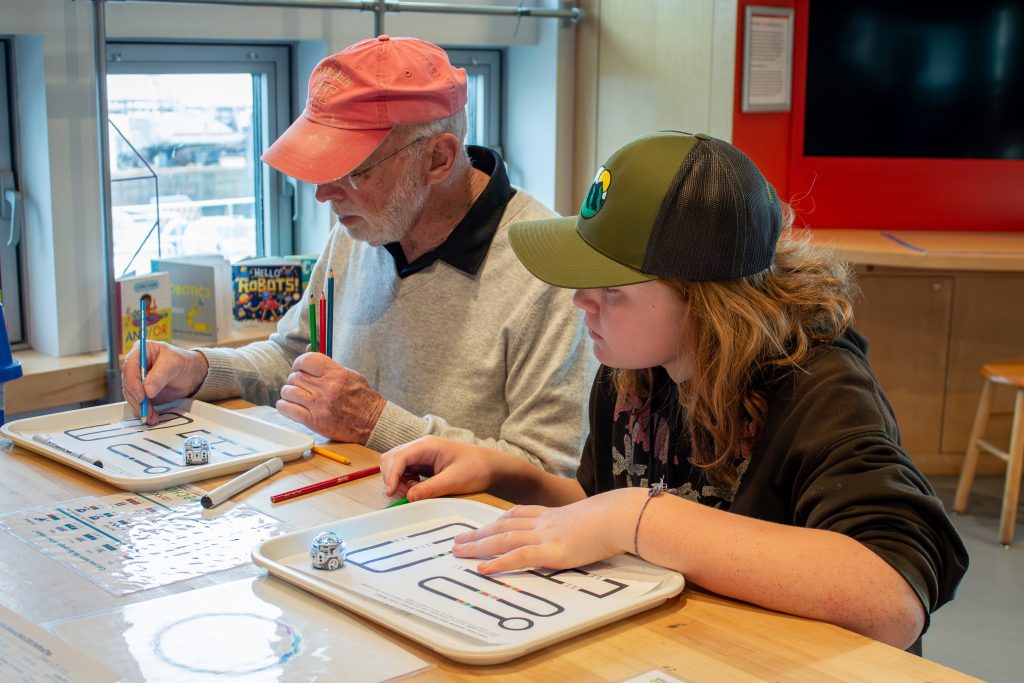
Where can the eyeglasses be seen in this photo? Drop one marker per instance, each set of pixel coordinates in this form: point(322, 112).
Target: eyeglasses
point(354, 176)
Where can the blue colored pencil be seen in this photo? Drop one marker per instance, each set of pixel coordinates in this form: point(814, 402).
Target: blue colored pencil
point(144, 408)
point(330, 313)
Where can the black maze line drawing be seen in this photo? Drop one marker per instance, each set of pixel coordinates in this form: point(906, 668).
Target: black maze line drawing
point(426, 546)
point(144, 453)
point(582, 581)
point(115, 430)
point(500, 592)
point(485, 594)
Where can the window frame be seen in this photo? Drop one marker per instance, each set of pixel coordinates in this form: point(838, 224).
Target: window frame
point(486, 63)
point(275, 228)
point(10, 257)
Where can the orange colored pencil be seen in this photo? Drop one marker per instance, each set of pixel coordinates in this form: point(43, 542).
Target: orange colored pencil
point(320, 450)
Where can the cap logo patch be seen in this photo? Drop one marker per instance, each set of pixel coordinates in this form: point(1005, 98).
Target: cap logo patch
point(597, 194)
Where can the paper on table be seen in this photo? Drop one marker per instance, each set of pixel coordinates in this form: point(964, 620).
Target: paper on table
point(412, 568)
point(28, 653)
point(277, 633)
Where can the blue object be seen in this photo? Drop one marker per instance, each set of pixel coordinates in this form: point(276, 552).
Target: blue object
point(144, 408)
point(9, 368)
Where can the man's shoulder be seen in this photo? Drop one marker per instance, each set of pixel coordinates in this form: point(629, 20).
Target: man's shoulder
point(525, 207)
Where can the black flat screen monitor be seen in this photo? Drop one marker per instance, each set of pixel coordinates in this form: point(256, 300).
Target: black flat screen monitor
point(923, 78)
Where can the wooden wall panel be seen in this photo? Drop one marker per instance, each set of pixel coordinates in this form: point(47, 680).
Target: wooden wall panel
point(905, 317)
point(987, 325)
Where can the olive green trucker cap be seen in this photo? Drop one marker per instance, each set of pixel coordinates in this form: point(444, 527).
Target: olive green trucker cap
point(666, 205)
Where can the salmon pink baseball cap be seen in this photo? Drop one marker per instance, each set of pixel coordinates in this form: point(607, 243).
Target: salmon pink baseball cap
point(357, 96)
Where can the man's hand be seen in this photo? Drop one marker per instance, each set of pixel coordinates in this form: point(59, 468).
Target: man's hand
point(173, 373)
point(330, 399)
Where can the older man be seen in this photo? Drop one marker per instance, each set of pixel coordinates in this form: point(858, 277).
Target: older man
point(437, 327)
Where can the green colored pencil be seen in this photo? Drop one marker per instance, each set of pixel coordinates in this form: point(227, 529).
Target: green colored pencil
point(312, 325)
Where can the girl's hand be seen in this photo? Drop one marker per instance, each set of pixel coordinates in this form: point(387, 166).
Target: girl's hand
point(453, 467)
point(529, 536)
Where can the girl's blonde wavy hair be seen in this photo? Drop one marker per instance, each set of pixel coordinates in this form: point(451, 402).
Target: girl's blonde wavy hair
point(737, 330)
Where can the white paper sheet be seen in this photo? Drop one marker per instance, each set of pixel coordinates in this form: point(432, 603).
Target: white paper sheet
point(29, 653)
point(412, 568)
point(245, 631)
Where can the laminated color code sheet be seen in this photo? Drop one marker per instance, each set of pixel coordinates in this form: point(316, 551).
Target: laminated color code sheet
point(127, 542)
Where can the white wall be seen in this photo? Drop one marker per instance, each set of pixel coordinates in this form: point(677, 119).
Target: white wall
point(539, 113)
point(56, 75)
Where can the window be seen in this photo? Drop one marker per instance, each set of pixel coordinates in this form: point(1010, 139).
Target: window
point(187, 126)
point(483, 109)
point(11, 208)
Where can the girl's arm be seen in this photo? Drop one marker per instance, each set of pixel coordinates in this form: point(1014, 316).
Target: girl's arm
point(455, 467)
point(807, 572)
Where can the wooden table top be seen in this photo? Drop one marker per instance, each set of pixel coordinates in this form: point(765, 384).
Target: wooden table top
point(695, 636)
point(978, 251)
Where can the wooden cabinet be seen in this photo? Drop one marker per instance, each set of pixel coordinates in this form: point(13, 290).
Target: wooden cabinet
point(932, 319)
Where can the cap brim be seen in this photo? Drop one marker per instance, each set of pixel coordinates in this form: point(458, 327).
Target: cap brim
point(315, 153)
point(554, 252)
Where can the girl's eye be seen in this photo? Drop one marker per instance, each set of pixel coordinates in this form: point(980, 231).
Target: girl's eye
point(609, 290)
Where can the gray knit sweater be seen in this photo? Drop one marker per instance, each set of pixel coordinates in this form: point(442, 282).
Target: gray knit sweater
point(498, 359)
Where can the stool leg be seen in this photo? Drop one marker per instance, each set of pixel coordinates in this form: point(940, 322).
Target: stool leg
point(963, 487)
point(1011, 492)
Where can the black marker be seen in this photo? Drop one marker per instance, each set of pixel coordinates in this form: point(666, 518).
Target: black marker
point(46, 440)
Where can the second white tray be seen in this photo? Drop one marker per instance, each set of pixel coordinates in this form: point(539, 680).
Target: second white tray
point(419, 563)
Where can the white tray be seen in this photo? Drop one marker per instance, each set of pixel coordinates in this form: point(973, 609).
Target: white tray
point(114, 435)
point(287, 557)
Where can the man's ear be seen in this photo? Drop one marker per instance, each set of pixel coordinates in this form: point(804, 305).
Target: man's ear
point(446, 148)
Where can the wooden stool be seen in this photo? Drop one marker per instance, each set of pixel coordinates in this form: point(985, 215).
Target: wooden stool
point(1009, 373)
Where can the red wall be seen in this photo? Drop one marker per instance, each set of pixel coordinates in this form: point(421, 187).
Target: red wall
point(870, 193)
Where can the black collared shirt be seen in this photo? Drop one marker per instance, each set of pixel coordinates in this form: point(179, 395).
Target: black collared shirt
point(468, 243)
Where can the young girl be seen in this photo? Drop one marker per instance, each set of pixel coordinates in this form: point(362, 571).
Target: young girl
point(738, 434)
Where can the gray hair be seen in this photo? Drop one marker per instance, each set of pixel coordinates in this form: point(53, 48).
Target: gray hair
point(456, 124)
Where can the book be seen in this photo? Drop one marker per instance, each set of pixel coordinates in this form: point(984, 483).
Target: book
point(308, 261)
point(201, 296)
point(265, 288)
point(154, 290)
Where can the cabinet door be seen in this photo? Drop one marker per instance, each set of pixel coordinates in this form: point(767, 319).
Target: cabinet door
point(987, 325)
point(906, 318)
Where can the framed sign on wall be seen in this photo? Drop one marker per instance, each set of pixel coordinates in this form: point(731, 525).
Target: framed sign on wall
point(767, 59)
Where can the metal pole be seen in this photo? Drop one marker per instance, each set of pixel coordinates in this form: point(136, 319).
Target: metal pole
point(113, 313)
point(378, 7)
point(379, 10)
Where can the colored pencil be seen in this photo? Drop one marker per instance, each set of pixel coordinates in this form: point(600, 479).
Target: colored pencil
point(400, 501)
point(313, 346)
point(320, 450)
point(321, 485)
point(323, 323)
point(144, 407)
point(330, 313)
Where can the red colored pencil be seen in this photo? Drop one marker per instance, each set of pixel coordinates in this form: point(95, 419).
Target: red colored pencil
point(323, 323)
point(320, 485)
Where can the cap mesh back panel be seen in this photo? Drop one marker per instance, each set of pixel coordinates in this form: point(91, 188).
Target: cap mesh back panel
point(719, 219)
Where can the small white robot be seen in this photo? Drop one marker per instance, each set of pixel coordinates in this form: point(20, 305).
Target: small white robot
point(196, 450)
point(327, 551)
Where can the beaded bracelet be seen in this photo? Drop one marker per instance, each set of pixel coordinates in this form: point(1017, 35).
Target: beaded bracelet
point(654, 490)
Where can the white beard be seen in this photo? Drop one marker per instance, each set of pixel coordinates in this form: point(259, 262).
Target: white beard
point(400, 212)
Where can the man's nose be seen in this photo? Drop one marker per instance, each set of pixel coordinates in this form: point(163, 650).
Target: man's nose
point(329, 191)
